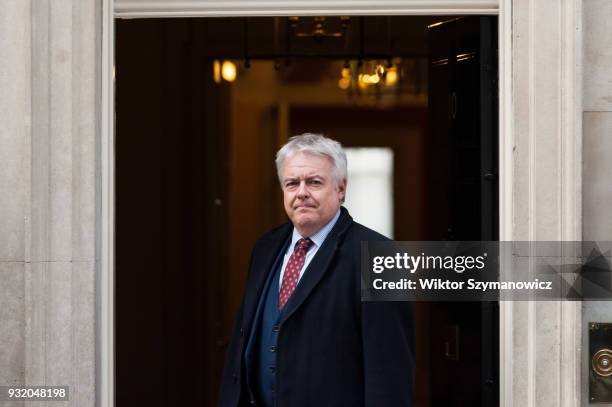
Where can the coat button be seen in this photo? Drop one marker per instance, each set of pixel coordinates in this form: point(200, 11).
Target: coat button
point(275, 328)
point(241, 332)
point(235, 378)
point(272, 348)
point(252, 401)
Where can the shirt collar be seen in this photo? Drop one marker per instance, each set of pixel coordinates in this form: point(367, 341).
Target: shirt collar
point(317, 238)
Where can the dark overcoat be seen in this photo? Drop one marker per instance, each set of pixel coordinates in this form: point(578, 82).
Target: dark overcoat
point(333, 349)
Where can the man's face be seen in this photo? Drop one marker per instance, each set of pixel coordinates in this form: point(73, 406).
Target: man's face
point(311, 195)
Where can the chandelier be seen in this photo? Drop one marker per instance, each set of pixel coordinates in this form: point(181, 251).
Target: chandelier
point(370, 77)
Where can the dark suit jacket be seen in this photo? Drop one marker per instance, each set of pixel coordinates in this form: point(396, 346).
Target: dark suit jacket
point(333, 349)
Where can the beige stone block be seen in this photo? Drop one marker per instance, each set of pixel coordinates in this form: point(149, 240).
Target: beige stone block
point(59, 335)
point(65, 106)
point(49, 113)
point(35, 313)
point(84, 200)
point(14, 128)
point(12, 324)
point(597, 55)
point(49, 306)
point(59, 139)
point(85, 126)
point(84, 319)
point(597, 176)
point(60, 315)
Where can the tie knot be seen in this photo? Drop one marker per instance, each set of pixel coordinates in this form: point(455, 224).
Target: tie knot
point(303, 244)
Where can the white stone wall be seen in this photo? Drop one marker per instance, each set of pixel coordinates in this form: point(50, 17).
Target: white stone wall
point(597, 119)
point(597, 153)
point(49, 121)
point(48, 114)
point(15, 128)
point(540, 341)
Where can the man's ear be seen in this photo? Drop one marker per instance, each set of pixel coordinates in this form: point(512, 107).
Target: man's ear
point(342, 190)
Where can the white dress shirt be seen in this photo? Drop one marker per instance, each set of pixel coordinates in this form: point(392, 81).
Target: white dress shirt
point(317, 240)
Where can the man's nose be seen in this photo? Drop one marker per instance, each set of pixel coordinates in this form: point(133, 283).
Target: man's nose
point(302, 191)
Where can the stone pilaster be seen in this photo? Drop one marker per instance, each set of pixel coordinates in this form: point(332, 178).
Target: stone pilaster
point(541, 341)
point(50, 120)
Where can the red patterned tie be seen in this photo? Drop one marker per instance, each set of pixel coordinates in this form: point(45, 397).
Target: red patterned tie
point(292, 271)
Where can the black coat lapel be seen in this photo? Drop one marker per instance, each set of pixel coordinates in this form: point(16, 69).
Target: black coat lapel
point(319, 265)
point(263, 259)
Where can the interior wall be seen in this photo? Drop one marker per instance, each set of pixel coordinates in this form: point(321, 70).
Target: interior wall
point(253, 141)
point(404, 130)
point(401, 128)
point(262, 102)
point(267, 109)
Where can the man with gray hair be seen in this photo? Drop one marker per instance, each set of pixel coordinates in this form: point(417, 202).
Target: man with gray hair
point(302, 336)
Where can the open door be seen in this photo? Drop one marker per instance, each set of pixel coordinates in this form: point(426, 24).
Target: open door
point(463, 200)
point(172, 193)
point(195, 160)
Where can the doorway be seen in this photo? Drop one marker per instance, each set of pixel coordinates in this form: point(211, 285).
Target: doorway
point(195, 162)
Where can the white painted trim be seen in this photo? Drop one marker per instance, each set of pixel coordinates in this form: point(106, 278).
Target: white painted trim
point(520, 383)
point(571, 170)
point(105, 283)
point(199, 8)
point(571, 120)
point(105, 290)
point(506, 186)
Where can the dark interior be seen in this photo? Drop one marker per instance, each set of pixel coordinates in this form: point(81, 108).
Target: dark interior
point(196, 183)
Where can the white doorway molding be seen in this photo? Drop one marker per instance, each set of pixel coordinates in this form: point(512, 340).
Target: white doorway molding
point(229, 8)
point(540, 134)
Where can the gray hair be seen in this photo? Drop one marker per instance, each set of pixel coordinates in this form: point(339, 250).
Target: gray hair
point(314, 144)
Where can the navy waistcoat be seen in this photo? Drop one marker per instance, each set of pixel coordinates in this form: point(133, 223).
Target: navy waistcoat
point(262, 346)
